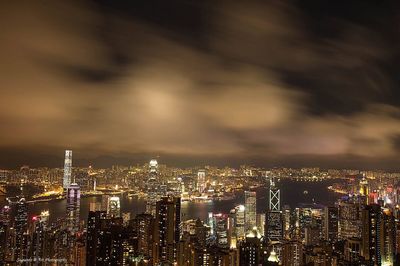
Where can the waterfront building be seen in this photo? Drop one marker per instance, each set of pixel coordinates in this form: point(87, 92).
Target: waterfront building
point(153, 188)
point(201, 180)
point(73, 207)
point(67, 169)
point(114, 207)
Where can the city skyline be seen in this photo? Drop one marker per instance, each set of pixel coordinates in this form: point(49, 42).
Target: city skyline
point(200, 133)
point(287, 84)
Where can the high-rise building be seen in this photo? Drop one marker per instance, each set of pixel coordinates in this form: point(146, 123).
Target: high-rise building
point(292, 253)
point(104, 202)
point(274, 226)
point(371, 217)
point(349, 218)
point(144, 229)
point(250, 211)
point(331, 222)
point(153, 166)
point(286, 219)
point(364, 188)
point(167, 231)
point(93, 229)
point(261, 223)
point(73, 207)
point(4, 231)
point(201, 180)
point(388, 238)
point(21, 227)
point(352, 251)
point(200, 233)
point(39, 237)
point(312, 235)
point(218, 223)
point(378, 235)
point(250, 249)
point(239, 222)
point(114, 207)
point(67, 169)
point(110, 242)
point(153, 188)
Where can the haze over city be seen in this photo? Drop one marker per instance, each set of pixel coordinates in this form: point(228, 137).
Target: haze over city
point(300, 83)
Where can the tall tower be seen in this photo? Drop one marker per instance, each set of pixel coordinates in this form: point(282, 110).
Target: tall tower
point(201, 181)
point(250, 213)
point(274, 225)
point(67, 169)
point(153, 188)
point(73, 207)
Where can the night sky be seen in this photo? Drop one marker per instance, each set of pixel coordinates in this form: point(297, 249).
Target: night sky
point(268, 83)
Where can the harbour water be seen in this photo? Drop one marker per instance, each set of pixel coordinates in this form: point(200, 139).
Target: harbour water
point(292, 193)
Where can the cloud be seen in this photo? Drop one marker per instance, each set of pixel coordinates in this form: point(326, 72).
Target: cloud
point(256, 82)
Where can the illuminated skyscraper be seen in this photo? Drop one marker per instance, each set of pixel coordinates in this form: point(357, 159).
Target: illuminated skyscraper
point(153, 188)
point(67, 169)
point(167, 231)
point(153, 166)
point(349, 218)
point(352, 251)
point(261, 223)
point(201, 181)
point(292, 253)
point(286, 219)
point(274, 226)
point(39, 237)
point(73, 207)
point(220, 223)
point(94, 223)
point(21, 227)
point(250, 249)
point(144, 228)
point(364, 188)
point(240, 222)
point(378, 235)
point(331, 222)
point(114, 207)
point(388, 237)
point(250, 212)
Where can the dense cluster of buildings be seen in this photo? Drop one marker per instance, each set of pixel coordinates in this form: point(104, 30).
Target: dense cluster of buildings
point(361, 228)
